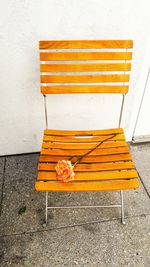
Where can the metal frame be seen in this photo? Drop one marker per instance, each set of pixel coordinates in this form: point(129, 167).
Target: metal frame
point(45, 108)
point(121, 110)
point(121, 206)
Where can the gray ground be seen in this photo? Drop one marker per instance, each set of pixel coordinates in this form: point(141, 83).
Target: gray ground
point(86, 238)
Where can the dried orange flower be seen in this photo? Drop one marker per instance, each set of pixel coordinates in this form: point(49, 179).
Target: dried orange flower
point(64, 170)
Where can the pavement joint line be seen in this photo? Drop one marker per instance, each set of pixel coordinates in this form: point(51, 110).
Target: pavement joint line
point(143, 184)
point(21, 154)
point(74, 225)
point(3, 181)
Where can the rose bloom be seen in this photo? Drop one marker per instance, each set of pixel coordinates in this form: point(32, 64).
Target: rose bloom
point(64, 170)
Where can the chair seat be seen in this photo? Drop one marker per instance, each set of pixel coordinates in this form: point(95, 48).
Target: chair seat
point(108, 167)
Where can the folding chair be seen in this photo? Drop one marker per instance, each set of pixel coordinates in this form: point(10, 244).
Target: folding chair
point(110, 166)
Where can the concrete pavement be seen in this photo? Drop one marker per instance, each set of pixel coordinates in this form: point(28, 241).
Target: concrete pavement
point(86, 238)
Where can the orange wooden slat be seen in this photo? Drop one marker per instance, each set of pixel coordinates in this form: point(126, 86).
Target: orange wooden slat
point(83, 78)
point(79, 44)
point(47, 56)
point(66, 139)
point(89, 176)
point(85, 67)
point(83, 146)
point(84, 132)
point(83, 89)
point(88, 159)
point(76, 152)
point(86, 186)
point(91, 167)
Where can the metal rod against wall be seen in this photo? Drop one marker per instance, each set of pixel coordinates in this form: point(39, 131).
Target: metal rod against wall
point(141, 103)
point(121, 111)
point(45, 106)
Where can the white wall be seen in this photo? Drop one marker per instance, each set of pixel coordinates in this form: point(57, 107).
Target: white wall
point(22, 25)
point(142, 128)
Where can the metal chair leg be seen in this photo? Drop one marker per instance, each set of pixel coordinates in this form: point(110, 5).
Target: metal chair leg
point(122, 207)
point(46, 205)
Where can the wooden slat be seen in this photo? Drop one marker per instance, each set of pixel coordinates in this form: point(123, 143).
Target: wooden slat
point(88, 159)
point(83, 132)
point(90, 176)
point(83, 146)
point(84, 89)
point(91, 167)
point(66, 139)
point(86, 187)
point(85, 56)
point(76, 152)
point(83, 78)
point(80, 44)
point(85, 67)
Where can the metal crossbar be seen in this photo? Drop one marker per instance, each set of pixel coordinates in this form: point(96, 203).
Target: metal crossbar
point(121, 206)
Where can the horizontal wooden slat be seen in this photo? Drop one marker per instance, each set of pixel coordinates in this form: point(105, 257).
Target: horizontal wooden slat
point(90, 176)
point(83, 89)
point(85, 67)
point(88, 159)
point(83, 78)
point(83, 146)
point(91, 167)
point(76, 152)
point(66, 139)
point(83, 132)
point(77, 44)
point(86, 186)
point(85, 56)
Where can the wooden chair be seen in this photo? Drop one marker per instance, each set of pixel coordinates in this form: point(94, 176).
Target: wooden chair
point(110, 166)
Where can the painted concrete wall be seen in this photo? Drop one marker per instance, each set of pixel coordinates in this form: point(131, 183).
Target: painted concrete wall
point(22, 25)
point(142, 127)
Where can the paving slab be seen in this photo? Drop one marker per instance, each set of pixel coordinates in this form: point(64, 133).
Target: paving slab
point(105, 244)
point(2, 163)
point(141, 156)
point(24, 209)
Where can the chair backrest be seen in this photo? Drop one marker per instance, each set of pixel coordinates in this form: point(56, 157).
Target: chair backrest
point(85, 66)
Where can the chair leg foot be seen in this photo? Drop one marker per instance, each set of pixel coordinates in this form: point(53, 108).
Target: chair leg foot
point(122, 208)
